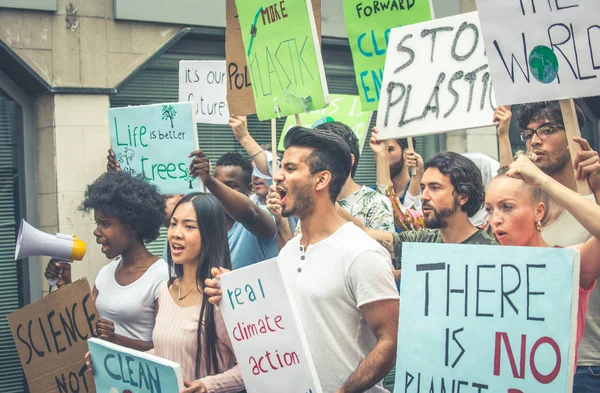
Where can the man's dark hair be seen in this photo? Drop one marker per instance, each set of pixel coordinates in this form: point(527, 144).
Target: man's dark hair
point(130, 199)
point(550, 110)
point(403, 142)
point(347, 135)
point(236, 159)
point(464, 176)
point(330, 154)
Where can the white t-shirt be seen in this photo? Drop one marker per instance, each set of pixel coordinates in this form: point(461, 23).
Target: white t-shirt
point(131, 308)
point(329, 282)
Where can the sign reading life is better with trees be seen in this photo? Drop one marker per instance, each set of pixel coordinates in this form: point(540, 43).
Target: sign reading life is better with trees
point(119, 369)
point(436, 79)
point(369, 24)
point(542, 50)
point(343, 108)
point(155, 141)
point(283, 56)
point(50, 335)
point(487, 319)
point(267, 336)
point(204, 83)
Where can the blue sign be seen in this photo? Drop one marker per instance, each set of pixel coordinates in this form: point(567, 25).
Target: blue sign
point(487, 319)
point(118, 370)
point(155, 141)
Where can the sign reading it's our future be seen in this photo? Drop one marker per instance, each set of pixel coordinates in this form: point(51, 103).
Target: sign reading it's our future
point(369, 24)
point(541, 50)
point(155, 141)
point(283, 56)
point(436, 79)
point(487, 319)
point(204, 83)
point(265, 331)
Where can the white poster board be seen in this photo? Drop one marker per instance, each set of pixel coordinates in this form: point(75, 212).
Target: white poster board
point(542, 50)
point(267, 336)
point(436, 79)
point(204, 83)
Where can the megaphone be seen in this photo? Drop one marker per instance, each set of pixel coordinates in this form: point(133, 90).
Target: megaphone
point(32, 241)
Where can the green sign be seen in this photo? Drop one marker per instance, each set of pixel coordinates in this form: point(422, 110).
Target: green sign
point(155, 141)
point(283, 55)
point(369, 24)
point(343, 108)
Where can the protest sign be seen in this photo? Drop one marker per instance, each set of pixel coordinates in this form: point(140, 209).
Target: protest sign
point(204, 83)
point(267, 336)
point(50, 336)
point(343, 108)
point(542, 50)
point(283, 56)
point(119, 369)
point(487, 319)
point(155, 141)
point(436, 79)
point(369, 24)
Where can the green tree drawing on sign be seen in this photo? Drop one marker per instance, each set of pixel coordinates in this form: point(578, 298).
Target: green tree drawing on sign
point(168, 112)
point(189, 178)
point(126, 156)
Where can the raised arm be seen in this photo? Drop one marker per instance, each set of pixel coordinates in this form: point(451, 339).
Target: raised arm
point(256, 220)
point(502, 116)
point(239, 126)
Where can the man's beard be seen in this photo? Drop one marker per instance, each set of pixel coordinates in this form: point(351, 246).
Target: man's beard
point(439, 219)
point(396, 167)
point(555, 163)
point(302, 204)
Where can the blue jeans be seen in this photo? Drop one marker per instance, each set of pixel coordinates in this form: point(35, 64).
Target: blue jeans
point(587, 379)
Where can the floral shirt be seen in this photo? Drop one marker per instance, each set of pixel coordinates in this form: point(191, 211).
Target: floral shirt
point(371, 208)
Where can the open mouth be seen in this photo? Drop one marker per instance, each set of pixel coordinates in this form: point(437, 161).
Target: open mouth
point(282, 194)
point(176, 249)
point(500, 234)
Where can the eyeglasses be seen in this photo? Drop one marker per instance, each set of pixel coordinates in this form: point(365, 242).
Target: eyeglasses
point(543, 132)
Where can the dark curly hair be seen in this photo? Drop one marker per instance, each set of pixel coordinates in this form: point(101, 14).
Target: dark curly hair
point(236, 159)
point(464, 176)
point(549, 110)
point(348, 136)
point(129, 198)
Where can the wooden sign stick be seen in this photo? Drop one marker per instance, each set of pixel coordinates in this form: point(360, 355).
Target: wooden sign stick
point(298, 123)
point(567, 107)
point(274, 147)
point(411, 147)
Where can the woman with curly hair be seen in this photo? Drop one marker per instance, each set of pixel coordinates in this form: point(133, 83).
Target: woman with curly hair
point(129, 213)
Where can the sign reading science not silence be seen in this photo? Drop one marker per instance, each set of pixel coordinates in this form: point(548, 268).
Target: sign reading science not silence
point(155, 141)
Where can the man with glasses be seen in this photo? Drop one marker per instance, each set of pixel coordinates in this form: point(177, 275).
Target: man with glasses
point(543, 133)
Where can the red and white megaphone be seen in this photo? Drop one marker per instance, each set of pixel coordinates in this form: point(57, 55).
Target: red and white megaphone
point(33, 242)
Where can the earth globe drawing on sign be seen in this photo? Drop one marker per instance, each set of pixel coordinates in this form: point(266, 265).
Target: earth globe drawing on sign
point(543, 64)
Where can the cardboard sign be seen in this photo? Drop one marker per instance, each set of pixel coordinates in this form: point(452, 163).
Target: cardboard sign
point(284, 57)
point(120, 369)
point(369, 25)
point(542, 50)
point(343, 108)
point(436, 79)
point(204, 83)
point(487, 319)
point(268, 339)
point(50, 335)
point(155, 141)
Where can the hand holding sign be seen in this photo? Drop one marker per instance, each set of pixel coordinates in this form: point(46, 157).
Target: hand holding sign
point(587, 164)
point(502, 116)
point(213, 286)
point(379, 147)
point(200, 166)
point(105, 329)
point(194, 387)
point(414, 161)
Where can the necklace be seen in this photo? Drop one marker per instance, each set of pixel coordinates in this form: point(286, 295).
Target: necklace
point(179, 297)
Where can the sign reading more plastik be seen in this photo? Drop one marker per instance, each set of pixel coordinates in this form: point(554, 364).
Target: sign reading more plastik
point(487, 319)
point(204, 83)
point(542, 50)
point(436, 79)
point(155, 141)
point(283, 56)
point(267, 336)
point(369, 24)
point(119, 369)
point(343, 108)
point(50, 335)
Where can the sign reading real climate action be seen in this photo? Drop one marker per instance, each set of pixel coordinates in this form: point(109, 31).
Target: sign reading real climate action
point(155, 141)
point(343, 108)
point(542, 50)
point(204, 83)
point(268, 339)
point(369, 24)
point(436, 79)
point(487, 319)
point(283, 56)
